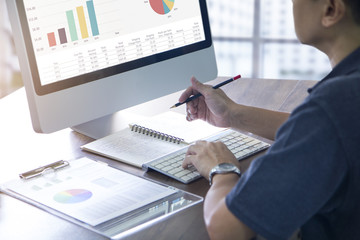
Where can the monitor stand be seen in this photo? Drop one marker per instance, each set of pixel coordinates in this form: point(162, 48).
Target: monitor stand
point(112, 123)
point(107, 125)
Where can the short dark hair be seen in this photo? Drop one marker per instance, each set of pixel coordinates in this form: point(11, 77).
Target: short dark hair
point(355, 9)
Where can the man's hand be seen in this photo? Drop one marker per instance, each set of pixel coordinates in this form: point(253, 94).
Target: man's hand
point(213, 106)
point(205, 155)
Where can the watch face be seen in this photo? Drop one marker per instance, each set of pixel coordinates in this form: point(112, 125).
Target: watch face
point(226, 166)
point(223, 168)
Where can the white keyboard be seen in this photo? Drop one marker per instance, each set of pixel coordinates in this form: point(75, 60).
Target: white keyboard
point(239, 144)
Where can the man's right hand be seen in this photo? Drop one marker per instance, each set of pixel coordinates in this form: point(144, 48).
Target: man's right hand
point(214, 106)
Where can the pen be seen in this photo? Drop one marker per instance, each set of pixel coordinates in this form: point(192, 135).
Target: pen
point(199, 94)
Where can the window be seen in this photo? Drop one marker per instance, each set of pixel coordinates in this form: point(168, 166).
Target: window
point(256, 38)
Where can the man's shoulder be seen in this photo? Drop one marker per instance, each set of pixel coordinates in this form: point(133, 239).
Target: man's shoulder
point(345, 88)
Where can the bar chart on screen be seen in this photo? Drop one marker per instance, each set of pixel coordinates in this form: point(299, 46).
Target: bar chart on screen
point(81, 22)
point(52, 25)
point(76, 37)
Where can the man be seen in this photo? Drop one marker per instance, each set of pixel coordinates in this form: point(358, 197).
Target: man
point(310, 177)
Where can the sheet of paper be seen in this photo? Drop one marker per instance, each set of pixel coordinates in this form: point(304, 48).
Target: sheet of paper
point(91, 192)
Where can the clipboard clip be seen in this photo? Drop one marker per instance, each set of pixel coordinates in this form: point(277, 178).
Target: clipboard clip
point(41, 170)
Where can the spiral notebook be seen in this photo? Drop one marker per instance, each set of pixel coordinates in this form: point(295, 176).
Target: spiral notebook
point(151, 138)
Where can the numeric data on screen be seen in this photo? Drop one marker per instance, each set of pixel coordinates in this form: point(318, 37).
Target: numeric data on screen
point(71, 38)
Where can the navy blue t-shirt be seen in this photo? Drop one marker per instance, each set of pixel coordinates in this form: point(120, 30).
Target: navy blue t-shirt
point(310, 177)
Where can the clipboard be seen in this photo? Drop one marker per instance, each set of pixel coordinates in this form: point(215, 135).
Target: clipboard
point(43, 169)
point(98, 197)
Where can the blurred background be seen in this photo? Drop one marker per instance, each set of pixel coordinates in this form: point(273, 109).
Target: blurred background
point(254, 38)
point(257, 39)
point(10, 79)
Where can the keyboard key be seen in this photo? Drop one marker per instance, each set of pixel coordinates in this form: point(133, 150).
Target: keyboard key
point(159, 166)
point(186, 178)
point(180, 174)
point(175, 170)
point(167, 168)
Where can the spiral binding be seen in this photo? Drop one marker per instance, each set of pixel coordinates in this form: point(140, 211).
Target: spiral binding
point(156, 134)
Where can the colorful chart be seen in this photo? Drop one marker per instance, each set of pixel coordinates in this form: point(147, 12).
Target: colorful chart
point(80, 18)
point(162, 6)
point(72, 196)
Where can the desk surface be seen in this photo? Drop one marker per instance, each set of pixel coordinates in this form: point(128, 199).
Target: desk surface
point(22, 149)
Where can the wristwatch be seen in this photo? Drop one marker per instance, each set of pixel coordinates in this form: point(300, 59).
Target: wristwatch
point(223, 168)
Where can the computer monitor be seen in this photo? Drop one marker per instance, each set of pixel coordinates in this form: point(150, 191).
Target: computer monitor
point(82, 60)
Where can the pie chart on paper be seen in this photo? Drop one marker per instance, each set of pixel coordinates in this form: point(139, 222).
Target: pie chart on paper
point(72, 196)
point(162, 6)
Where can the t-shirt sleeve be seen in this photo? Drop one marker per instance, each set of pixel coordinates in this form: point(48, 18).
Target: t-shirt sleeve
point(295, 179)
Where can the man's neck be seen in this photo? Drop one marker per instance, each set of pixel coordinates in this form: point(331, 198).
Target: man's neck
point(341, 50)
point(342, 43)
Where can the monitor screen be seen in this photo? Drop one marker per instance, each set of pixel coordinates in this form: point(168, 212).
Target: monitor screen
point(86, 59)
point(74, 42)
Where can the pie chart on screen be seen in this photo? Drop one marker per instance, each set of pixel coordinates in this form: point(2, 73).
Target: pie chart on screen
point(162, 6)
point(72, 196)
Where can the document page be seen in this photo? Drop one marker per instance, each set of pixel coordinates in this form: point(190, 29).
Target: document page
point(89, 191)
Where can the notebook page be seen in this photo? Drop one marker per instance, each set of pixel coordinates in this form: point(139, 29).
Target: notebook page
point(131, 147)
point(175, 124)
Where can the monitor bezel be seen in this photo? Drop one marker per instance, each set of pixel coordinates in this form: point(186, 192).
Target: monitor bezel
point(109, 71)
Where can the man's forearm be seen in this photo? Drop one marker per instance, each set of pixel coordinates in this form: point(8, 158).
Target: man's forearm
point(259, 121)
point(220, 222)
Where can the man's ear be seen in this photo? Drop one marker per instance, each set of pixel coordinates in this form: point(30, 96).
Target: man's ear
point(333, 12)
